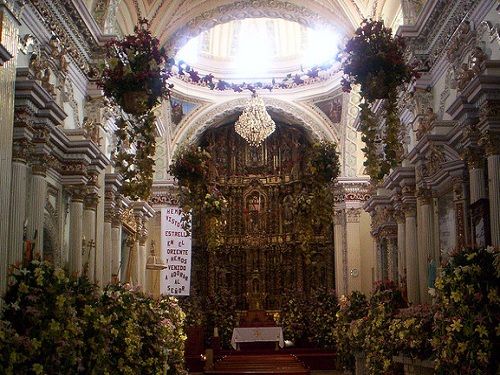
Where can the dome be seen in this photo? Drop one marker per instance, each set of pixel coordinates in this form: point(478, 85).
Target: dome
point(259, 48)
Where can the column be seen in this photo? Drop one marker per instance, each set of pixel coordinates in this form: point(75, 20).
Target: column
point(142, 261)
point(412, 270)
point(475, 163)
point(9, 28)
point(18, 203)
point(400, 220)
point(392, 254)
point(353, 249)
point(75, 230)
point(89, 253)
point(37, 200)
point(107, 248)
point(491, 142)
point(425, 246)
point(116, 245)
point(338, 244)
point(494, 197)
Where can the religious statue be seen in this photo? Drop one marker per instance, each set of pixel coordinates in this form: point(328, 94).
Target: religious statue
point(425, 122)
point(464, 76)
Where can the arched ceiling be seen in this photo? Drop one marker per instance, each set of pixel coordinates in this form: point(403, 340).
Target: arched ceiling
point(175, 21)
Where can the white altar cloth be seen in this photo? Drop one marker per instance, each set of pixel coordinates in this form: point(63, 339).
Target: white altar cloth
point(254, 334)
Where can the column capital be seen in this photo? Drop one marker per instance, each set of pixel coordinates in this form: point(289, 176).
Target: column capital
point(399, 215)
point(424, 195)
point(338, 217)
point(353, 214)
point(474, 157)
point(39, 164)
point(21, 150)
point(90, 201)
point(491, 142)
point(77, 192)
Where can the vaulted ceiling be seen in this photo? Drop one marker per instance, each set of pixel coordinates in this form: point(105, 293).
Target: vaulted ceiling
point(175, 21)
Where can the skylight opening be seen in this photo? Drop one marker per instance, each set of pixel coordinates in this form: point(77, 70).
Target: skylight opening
point(256, 48)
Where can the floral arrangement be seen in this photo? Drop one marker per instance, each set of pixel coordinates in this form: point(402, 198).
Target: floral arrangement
point(347, 329)
point(308, 319)
point(311, 205)
point(135, 77)
point(323, 162)
point(44, 329)
point(190, 167)
point(466, 338)
point(411, 329)
point(136, 164)
point(137, 71)
point(322, 317)
point(193, 307)
point(221, 313)
point(374, 59)
point(293, 316)
point(385, 302)
point(55, 324)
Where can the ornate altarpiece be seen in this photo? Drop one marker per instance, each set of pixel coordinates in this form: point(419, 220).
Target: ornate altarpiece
point(260, 257)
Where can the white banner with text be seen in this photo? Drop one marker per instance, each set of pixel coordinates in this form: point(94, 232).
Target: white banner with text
point(176, 251)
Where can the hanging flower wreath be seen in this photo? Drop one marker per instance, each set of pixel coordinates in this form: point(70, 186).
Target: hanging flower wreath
point(374, 59)
point(135, 77)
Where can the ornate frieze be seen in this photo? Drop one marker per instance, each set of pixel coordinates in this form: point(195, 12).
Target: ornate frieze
point(65, 21)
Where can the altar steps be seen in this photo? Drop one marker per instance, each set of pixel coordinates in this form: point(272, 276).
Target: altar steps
point(259, 364)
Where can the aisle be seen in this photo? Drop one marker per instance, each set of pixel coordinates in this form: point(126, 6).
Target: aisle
point(259, 364)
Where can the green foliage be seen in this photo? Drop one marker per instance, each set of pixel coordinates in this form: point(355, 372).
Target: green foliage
point(467, 328)
point(309, 318)
point(53, 324)
point(221, 313)
point(349, 340)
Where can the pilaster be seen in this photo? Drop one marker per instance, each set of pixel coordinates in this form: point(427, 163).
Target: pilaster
point(9, 30)
point(491, 142)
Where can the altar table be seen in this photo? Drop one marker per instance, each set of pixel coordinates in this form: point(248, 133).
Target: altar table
point(254, 334)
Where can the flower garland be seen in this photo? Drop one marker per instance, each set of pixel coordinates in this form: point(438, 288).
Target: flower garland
point(374, 59)
point(314, 74)
point(135, 77)
point(312, 205)
point(134, 155)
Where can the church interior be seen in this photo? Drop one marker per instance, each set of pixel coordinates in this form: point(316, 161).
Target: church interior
point(250, 186)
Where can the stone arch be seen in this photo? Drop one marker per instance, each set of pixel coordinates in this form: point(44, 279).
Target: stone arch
point(196, 21)
point(215, 114)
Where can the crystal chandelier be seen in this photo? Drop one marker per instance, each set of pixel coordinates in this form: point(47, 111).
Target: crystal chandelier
point(255, 124)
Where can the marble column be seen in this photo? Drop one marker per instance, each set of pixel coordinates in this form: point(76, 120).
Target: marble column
point(353, 253)
point(37, 200)
point(89, 221)
point(9, 29)
point(338, 243)
point(425, 246)
point(107, 249)
point(18, 205)
point(491, 142)
point(412, 270)
point(494, 197)
point(142, 261)
point(477, 184)
point(400, 220)
point(75, 231)
point(116, 244)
